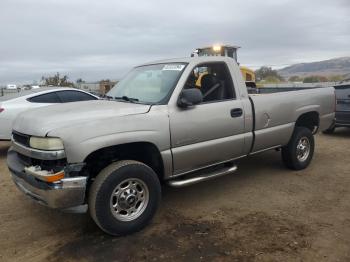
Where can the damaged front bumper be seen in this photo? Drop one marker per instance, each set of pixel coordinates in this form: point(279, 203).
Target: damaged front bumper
point(64, 193)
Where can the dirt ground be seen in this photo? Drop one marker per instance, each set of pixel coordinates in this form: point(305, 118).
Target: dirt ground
point(264, 212)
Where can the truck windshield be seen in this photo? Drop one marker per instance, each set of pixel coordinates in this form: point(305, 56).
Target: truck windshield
point(150, 84)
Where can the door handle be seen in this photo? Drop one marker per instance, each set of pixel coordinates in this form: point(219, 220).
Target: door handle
point(236, 112)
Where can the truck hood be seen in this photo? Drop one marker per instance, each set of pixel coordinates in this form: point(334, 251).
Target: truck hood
point(40, 121)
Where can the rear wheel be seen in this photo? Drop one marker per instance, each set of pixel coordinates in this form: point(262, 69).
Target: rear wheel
point(298, 153)
point(124, 197)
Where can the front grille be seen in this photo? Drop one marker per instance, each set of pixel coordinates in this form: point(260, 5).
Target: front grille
point(26, 161)
point(21, 138)
point(55, 165)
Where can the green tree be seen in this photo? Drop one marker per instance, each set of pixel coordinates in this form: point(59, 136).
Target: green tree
point(295, 79)
point(265, 72)
point(315, 79)
point(272, 80)
point(57, 80)
point(336, 78)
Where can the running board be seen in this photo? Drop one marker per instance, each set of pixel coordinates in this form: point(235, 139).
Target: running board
point(202, 177)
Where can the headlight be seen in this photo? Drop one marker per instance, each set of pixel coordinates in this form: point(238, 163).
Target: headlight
point(46, 143)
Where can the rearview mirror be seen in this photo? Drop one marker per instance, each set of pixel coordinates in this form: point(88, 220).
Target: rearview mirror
point(190, 97)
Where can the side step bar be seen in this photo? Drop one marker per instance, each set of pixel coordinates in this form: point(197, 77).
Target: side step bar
point(202, 177)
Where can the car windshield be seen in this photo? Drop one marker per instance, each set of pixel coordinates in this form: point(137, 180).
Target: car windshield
point(150, 84)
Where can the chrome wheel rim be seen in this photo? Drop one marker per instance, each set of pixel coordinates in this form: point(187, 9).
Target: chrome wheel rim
point(129, 199)
point(303, 149)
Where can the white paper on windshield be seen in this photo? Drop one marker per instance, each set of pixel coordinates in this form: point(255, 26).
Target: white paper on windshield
point(174, 67)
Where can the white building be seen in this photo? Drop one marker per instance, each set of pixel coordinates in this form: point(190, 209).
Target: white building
point(11, 86)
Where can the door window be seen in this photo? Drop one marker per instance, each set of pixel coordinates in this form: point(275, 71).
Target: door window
point(74, 96)
point(213, 80)
point(45, 98)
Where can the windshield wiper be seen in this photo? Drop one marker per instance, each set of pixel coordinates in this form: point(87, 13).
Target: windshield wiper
point(126, 98)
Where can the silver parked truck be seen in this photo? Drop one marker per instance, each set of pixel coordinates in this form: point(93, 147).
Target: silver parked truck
point(175, 122)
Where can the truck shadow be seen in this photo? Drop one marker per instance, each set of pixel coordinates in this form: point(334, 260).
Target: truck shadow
point(265, 163)
point(178, 231)
point(340, 132)
point(174, 237)
point(177, 234)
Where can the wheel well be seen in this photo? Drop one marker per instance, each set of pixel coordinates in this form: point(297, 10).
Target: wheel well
point(144, 152)
point(309, 120)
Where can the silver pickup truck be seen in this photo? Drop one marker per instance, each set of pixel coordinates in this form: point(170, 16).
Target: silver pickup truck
point(175, 122)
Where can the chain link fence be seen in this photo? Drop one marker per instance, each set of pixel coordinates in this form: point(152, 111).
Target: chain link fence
point(4, 91)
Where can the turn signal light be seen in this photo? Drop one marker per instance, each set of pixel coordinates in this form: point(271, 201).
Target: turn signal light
point(55, 177)
point(44, 175)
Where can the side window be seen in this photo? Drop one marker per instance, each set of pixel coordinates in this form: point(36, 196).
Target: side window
point(214, 81)
point(74, 96)
point(45, 98)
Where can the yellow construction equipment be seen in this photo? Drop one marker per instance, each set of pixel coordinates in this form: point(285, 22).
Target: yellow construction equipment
point(225, 50)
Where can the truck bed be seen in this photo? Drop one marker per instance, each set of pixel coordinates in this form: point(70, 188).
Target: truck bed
point(269, 90)
point(276, 113)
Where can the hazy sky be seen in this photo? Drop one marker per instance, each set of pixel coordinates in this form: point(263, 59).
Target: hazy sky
point(105, 38)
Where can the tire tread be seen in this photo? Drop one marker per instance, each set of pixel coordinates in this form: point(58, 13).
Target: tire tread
point(288, 151)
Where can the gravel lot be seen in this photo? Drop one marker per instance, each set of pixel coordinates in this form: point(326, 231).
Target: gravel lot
point(264, 212)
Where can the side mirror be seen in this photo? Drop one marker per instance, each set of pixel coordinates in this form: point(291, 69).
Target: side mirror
point(190, 97)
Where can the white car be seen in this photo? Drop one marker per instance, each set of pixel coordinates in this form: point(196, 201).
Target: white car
point(13, 104)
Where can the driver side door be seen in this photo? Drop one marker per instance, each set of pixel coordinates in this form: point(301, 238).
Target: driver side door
point(211, 132)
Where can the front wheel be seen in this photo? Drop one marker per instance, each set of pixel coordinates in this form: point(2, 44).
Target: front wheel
point(298, 153)
point(124, 197)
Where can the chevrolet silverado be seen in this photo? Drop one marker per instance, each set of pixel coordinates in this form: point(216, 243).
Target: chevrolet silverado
point(158, 127)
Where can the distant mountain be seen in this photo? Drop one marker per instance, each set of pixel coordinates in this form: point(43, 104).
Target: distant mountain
point(337, 66)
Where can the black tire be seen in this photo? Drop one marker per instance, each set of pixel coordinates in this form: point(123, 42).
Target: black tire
point(329, 130)
point(290, 152)
point(104, 186)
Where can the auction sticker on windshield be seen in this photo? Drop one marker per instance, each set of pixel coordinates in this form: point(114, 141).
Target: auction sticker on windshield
point(175, 67)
